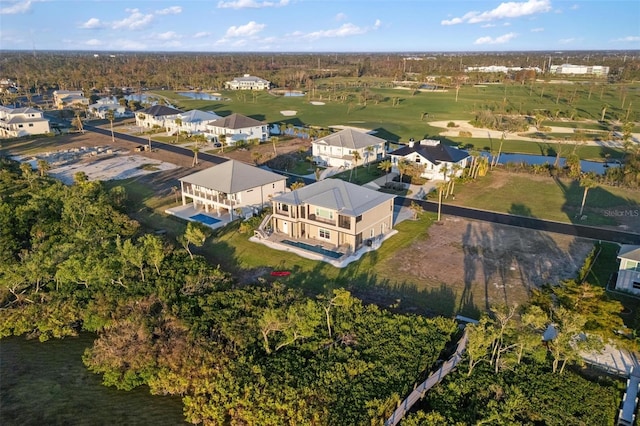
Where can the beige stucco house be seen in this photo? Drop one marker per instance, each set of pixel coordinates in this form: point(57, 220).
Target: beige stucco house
point(629, 270)
point(333, 212)
point(247, 82)
point(69, 98)
point(17, 122)
point(439, 161)
point(232, 186)
point(337, 149)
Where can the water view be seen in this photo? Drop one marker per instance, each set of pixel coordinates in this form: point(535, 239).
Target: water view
point(47, 384)
point(201, 96)
point(586, 166)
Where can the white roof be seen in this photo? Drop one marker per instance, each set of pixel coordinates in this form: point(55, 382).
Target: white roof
point(196, 116)
point(232, 177)
point(335, 194)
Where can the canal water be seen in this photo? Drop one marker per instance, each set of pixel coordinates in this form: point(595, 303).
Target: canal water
point(531, 159)
point(47, 384)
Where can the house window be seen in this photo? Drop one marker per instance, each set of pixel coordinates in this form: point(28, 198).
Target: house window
point(636, 285)
point(371, 233)
point(30, 124)
point(417, 159)
point(358, 218)
point(324, 213)
point(284, 207)
point(20, 126)
point(324, 233)
point(631, 265)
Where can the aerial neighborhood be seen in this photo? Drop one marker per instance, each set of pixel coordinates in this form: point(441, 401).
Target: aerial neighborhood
point(338, 239)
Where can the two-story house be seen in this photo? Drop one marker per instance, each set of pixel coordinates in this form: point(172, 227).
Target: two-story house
point(16, 122)
point(68, 98)
point(160, 116)
point(333, 212)
point(100, 108)
point(338, 149)
point(192, 122)
point(439, 161)
point(232, 186)
point(629, 270)
point(247, 82)
point(237, 127)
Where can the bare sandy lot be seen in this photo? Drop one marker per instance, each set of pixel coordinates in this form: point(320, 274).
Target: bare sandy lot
point(472, 265)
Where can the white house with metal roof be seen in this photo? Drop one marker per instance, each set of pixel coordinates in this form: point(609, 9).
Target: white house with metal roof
point(247, 82)
point(160, 116)
point(100, 108)
point(63, 98)
point(334, 212)
point(338, 149)
point(16, 122)
point(439, 161)
point(237, 127)
point(192, 122)
point(230, 186)
point(629, 270)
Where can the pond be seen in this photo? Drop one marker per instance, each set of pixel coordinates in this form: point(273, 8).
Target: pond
point(47, 384)
point(531, 159)
point(201, 96)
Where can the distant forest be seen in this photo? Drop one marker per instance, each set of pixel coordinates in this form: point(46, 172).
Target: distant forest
point(40, 71)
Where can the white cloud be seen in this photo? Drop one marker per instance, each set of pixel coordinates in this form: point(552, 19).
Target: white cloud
point(201, 34)
point(169, 35)
point(173, 10)
point(93, 42)
point(498, 40)
point(92, 24)
point(135, 21)
point(575, 7)
point(246, 30)
point(250, 4)
point(627, 39)
point(340, 17)
point(566, 40)
point(504, 10)
point(537, 30)
point(344, 30)
point(488, 25)
point(16, 7)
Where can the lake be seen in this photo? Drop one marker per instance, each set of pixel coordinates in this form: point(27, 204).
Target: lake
point(47, 384)
point(531, 159)
point(201, 96)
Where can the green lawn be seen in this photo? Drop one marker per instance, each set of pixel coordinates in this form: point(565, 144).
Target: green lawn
point(543, 197)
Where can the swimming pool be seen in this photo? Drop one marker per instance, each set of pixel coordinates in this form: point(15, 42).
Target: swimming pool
point(316, 249)
point(207, 220)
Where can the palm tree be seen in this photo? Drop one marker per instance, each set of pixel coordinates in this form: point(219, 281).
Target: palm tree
point(367, 152)
point(43, 166)
point(385, 166)
point(441, 188)
point(195, 150)
point(604, 111)
point(110, 115)
point(356, 158)
point(178, 122)
point(274, 141)
point(403, 167)
point(587, 183)
point(297, 185)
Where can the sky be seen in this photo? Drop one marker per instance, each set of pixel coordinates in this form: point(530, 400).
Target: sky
point(319, 25)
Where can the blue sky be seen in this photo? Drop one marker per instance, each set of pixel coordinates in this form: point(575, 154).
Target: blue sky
point(319, 25)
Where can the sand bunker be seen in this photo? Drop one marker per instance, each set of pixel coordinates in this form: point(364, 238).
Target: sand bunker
point(113, 168)
point(288, 113)
point(316, 103)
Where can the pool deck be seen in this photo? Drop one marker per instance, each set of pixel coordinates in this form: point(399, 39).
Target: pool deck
point(186, 212)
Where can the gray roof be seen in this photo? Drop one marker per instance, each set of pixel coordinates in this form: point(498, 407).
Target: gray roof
point(349, 138)
point(249, 78)
point(232, 177)
point(434, 153)
point(236, 121)
point(196, 115)
point(630, 252)
point(335, 194)
point(159, 111)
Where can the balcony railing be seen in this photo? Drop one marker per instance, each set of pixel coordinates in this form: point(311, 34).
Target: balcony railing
point(317, 218)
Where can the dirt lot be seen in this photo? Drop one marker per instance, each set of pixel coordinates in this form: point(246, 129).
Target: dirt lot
point(471, 265)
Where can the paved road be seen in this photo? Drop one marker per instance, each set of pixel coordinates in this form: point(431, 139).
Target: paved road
point(487, 216)
point(528, 222)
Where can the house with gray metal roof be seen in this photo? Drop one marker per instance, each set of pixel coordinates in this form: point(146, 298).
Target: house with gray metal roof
point(247, 82)
point(157, 116)
point(339, 149)
point(232, 185)
point(16, 122)
point(192, 122)
point(237, 127)
point(629, 270)
point(438, 161)
point(334, 213)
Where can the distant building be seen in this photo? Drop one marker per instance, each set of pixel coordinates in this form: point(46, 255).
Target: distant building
point(237, 127)
point(338, 149)
point(16, 122)
point(247, 82)
point(579, 69)
point(100, 108)
point(65, 98)
point(500, 68)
